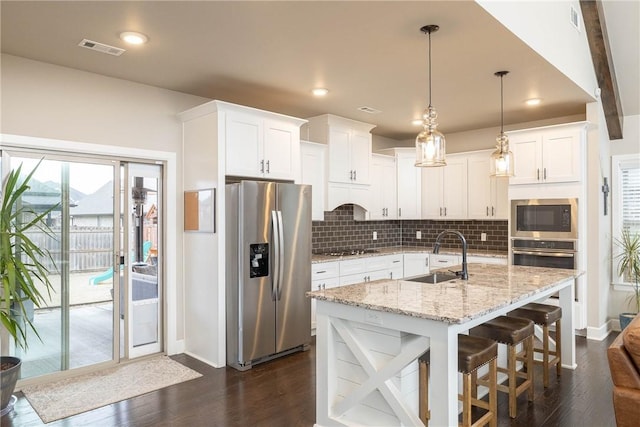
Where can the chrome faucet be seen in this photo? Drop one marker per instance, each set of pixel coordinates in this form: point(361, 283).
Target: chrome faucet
point(464, 274)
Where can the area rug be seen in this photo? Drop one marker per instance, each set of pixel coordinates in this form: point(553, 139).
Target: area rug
point(61, 399)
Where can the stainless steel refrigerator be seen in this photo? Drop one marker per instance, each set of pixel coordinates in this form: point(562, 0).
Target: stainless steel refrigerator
point(268, 271)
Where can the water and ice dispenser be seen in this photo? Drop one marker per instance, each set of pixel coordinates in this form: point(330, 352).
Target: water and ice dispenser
point(259, 260)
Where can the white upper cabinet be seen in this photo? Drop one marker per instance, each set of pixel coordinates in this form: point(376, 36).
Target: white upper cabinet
point(549, 154)
point(444, 190)
point(408, 183)
point(261, 144)
point(349, 159)
point(487, 196)
point(383, 188)
point(312, 172)
point(349, 144)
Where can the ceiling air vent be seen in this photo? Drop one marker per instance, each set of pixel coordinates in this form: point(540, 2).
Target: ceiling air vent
point(101, 47)
point(369, 110)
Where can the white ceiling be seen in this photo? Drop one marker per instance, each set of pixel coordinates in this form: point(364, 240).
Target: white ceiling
point(269, 55)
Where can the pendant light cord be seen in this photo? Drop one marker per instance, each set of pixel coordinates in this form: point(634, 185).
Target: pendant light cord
point(501, 106)
point(429, 68)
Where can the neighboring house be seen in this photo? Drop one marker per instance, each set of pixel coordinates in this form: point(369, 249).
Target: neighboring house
point(95, 209)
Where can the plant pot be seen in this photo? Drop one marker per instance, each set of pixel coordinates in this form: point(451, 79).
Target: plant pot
point(8, 378)
point(625, 319)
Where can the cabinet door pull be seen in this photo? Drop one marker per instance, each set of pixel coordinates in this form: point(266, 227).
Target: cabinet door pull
point(355, 176)
point(324, 286)
point(391, 275)
point(268, 168)
point(493, 211)
point(538, 174)
point(261, 166)
point(445, 211)
point(440, 211)
point(351, 175)
point(321, 271)
point(399, 211)
point(544, 175)
point(487, 210)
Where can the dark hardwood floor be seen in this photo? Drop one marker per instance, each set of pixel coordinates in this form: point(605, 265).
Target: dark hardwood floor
point(282, 393)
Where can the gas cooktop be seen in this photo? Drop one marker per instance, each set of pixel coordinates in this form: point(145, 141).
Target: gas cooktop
point(346, 252)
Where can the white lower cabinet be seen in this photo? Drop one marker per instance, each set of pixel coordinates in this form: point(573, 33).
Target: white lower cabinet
point(324, 275)
point(486, 260)
point(415, 264)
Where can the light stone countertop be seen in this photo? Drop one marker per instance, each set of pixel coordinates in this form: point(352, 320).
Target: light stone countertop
point(316, 258)
point(489, 287)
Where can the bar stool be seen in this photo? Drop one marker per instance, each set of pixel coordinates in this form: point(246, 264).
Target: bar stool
point(544, 315)
point(473, 352)
point(511, 331)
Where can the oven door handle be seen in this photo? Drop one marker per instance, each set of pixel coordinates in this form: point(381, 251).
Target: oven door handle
point(541, 253)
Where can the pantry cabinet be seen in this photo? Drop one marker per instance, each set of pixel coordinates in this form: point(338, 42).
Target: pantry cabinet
point(408, 183)
point(312, 168)
point(383, 188)
point(487, 195)
point(444, 190)
point(548, 155)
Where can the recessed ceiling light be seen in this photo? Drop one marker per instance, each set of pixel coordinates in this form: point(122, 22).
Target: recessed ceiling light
point(132, 37)
point(417, 122)
point(320, 91)
point(533, 101)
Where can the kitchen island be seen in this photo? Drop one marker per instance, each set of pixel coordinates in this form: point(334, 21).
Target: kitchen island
point(369, 336)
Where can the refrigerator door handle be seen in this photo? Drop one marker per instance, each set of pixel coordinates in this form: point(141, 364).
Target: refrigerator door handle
point(276, 250)
point(280, 253)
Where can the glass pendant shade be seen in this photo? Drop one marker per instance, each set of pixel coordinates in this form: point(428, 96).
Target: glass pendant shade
point(501, 164)
point(430, 143)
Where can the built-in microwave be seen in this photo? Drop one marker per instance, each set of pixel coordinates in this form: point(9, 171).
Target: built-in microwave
point(544, 218)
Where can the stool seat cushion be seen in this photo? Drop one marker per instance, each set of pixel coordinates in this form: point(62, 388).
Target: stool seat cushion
point(474, 352)
point(504, 329)
point(541, 314)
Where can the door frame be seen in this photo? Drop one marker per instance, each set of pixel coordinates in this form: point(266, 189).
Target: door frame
point(173, 336)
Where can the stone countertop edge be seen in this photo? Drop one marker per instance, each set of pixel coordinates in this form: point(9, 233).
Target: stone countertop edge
point(489, 288)
point(317, 258)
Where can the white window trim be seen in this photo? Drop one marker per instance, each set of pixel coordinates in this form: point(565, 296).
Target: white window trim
point(618, 162)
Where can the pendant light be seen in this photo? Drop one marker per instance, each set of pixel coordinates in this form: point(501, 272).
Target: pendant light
point(430, 144)
point(502, 158)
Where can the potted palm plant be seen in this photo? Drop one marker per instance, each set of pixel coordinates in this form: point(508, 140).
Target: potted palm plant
point(23, 274)
point(629, 270)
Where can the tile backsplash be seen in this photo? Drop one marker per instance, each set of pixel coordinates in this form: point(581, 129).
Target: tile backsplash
point(339, 231)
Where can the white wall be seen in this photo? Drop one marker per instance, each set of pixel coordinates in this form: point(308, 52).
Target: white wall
point(598, 272)
point(49, 101)
point(630, 144)
point(545, 27)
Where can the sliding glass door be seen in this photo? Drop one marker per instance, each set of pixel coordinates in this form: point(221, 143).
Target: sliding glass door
point(106, 246)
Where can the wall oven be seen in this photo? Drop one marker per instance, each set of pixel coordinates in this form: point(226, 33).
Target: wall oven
point(544, 253)
point(544, 218)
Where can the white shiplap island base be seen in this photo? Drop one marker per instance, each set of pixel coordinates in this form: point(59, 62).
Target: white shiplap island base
point(369, 336)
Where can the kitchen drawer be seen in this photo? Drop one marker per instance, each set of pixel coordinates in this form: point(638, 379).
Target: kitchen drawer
point(353, 266)
point(325, 270)
point(384, 262)
point(441, 261)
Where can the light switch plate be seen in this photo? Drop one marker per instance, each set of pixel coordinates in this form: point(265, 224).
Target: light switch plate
point(418, 234)
point(483, 237)
point(375, 235)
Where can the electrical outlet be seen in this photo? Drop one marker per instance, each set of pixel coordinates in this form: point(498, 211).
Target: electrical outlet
point(418, 234)
point(483, 237)
point(375, 235)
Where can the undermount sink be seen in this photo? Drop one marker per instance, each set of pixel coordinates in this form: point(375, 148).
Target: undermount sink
point(434, 278)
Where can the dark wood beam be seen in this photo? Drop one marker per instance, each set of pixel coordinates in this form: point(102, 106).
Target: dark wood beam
point(596, 30)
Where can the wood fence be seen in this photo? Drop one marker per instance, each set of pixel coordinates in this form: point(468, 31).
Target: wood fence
point(90, 248)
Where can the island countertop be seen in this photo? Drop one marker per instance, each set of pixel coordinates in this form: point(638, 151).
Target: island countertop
point(489, 287)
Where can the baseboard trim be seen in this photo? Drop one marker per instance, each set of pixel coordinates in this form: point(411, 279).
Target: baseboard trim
point(208, 362)
point(601, 332)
